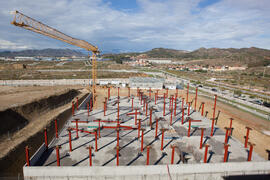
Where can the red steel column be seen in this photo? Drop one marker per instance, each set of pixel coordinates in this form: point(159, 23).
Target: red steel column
point(56, 128)
point(57, 155)
point(90, 155)
point(132, 103)
point(70, 139)
point(189, 126)
point(148, 152)
point(172, 159)
point(156, 128)
point(196, 96)
point(96, 141)
point(183, 111)
point(187, 91)
point(250, 151)
point(164, 105)
point(205, 153)
point(27, 155)
point(202, 108)
point(201, 142)
point(117, 155)
point(247, 135)
point(226, 146)
point(87, 109)
point(45, 138)
point(142, 140)
point(77, 103)
point(213, 120)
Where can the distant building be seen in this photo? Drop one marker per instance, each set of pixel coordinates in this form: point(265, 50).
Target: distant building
point(21, 58)
point(159, 61)
point(145, 83)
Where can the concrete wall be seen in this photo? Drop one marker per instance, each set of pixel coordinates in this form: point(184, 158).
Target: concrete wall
point(181, 171)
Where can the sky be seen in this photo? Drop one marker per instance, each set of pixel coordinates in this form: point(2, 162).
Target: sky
point(140, 25)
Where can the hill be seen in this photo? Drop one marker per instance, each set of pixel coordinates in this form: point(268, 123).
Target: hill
point(249, 56)
point(43, 52)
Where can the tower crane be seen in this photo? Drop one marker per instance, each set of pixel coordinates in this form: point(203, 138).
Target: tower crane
point(23, 21)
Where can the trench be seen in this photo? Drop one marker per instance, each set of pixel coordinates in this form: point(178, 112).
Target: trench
point(18, 117)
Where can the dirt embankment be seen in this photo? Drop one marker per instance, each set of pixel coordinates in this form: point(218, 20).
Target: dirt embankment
point(25, 125)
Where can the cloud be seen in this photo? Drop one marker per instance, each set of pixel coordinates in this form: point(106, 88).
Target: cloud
point(171, 23)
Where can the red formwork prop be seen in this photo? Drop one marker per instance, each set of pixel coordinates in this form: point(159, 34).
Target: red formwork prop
point(196, 96)
point(150, 93)
point(118, 101)
point(27, 156)
point(88, 109)
point(90, 155)
point(128, 92)
point(213, 120)
point(148, 153)
point(171, 116)
point(164, 105)
point(231, 119)
point(142, 140)
point(188, 108)
point(175, 104)
point(109, 93)
point(139, 128)
point(118, 92)
point(70, 139)
point(73, 108)
point(187, 92)
point(201, 142)
point(56, 128)
point(146, 110)
point(117, 155)
point(172, 156)
point(250, 151)
point(162, 138)
point(134, 113)
point(150, 118)
point(132, 99)
point(77, 99)
point(226, 147)
point(205, 153)
point(156, 128)
point(202, 109)
point(227, 134)
point(183, 111)
point(57, 155)
point(247, 136)
point(45, 138)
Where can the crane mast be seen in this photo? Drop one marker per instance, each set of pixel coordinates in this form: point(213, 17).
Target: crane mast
point(31, 24)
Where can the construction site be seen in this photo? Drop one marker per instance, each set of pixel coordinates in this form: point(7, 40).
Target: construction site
point(136, 129)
